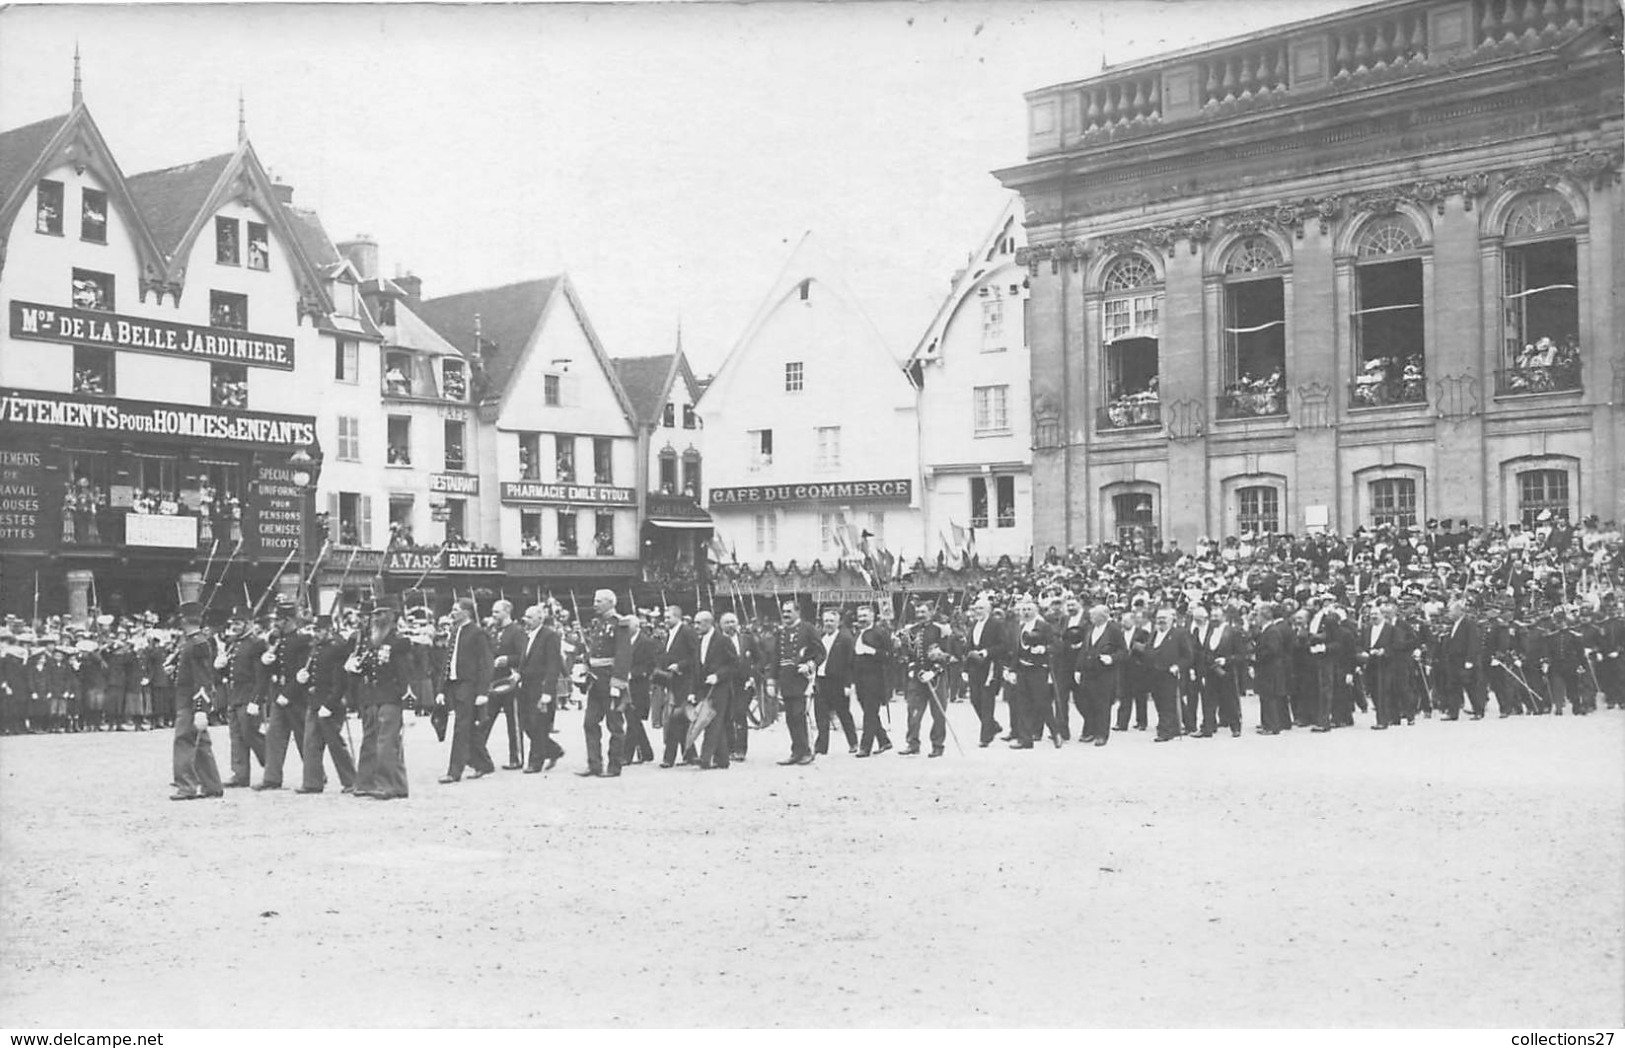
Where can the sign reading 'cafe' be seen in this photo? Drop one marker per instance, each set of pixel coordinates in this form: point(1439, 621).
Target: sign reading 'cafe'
point(86, 327)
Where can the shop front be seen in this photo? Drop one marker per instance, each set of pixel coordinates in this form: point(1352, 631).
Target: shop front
point(132, 506)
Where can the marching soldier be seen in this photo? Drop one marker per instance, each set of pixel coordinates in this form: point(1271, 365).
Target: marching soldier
point(920, 646)
point(192, 667)
point(378, 666)
point(326, 685)
point(797, 654)
point(245, 686)
point(285, 655)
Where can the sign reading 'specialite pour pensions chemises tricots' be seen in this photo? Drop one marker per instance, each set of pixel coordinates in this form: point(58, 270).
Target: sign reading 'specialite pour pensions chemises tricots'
point(824, 491)
point(86, 327)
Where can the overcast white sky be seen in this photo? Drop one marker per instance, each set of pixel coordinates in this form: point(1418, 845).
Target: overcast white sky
point(666, 155)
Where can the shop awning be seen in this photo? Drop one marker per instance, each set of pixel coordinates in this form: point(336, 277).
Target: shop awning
point(683, 525)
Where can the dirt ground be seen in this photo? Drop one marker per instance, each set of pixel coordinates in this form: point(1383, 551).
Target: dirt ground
point(1451, 874)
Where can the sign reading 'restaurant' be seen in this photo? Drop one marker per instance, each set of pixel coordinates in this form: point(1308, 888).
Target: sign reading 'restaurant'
point(454, 483)
point(85, 327)
point(33, 409)
point(829, 491)
point(565, 494)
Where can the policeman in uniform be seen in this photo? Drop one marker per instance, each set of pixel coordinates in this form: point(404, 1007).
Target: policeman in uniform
point(797, 653)
point(196, 775)
point(924, 658)
point(608, 641)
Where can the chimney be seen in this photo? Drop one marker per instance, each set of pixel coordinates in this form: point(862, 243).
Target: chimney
point(362, 253)
point(412, 284)
point(283, 192)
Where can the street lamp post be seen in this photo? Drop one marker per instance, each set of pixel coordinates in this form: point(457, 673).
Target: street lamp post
point(306, 463)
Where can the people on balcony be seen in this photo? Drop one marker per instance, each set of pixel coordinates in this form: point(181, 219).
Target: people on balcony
point(1544, 366)
point(400, 536)
point(1136, 407)
point(89, 382)
point(400, 455)
point(396, 384)
point(456, 387)
point(530, 545)
point(1248, 397)
point(1385, 380)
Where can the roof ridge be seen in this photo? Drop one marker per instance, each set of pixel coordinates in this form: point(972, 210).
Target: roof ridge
point(496, 287)
point(178, 167)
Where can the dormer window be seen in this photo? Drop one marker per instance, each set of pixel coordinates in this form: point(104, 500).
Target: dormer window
point(92, 290)
point(48, 207)
point(228, 310)
point(259, 247)
point(93, 216)
point(690, 420)
point(668, 417)
point(227, 246)
point(453, 380)
point(386, 311)
point(344, 298)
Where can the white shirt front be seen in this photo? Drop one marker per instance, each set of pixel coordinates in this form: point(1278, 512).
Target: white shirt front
point(1156, 642)
point(1215, 636)
point(1096, 633)
point(1375, 632)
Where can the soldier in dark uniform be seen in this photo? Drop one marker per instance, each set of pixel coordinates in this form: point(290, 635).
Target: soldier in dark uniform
point(155, 677)
point(285, 655)
point(195, 773)
point(1562, 664)
point(797, 653)
point(378, 666)
point(920, 646)
point(245, 688)
point(608, 642)
point(871, 651)
point(1610, 660)
point(326, 686)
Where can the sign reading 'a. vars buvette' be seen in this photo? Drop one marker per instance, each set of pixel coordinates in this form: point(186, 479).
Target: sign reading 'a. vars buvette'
point(87, 327)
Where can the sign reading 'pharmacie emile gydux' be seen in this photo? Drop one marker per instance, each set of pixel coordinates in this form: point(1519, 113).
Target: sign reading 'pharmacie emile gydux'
point(827, 491)
point(35, 409)
point(85, 327)
point(567, 494)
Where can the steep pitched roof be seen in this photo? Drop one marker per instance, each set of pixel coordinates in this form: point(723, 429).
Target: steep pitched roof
point(20, 148)
point(808, 263)
point(509, 316)
point(982, 264)
point(647, 381)
point(170, 199)
point(313, 238)
point(510, 319)
point(413, 332)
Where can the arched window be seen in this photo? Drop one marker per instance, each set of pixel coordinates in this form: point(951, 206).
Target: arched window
point(1254, 373)
point(1392, 501)
point(1541, 303)
point(1130, 330)
point(1132, 517)
point(668, 470)
point(1390, 356)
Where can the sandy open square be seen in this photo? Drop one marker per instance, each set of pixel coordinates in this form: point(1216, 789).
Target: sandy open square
point(1450, 874)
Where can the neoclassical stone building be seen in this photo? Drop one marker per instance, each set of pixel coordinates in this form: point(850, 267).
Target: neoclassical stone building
point(1354, 270)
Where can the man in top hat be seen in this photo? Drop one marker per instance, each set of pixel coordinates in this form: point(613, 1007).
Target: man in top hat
point(379, 667)
point(245, 689)
point(326, 685)
point(287, 652)
point(466, 691)
point(195, 773)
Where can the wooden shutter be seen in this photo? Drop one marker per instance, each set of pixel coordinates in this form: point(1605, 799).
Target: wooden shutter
point(333, 517)
point(364, 532)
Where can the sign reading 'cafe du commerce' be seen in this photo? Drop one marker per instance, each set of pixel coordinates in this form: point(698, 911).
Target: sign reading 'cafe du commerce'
point(831, 491)
point(83, 327)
